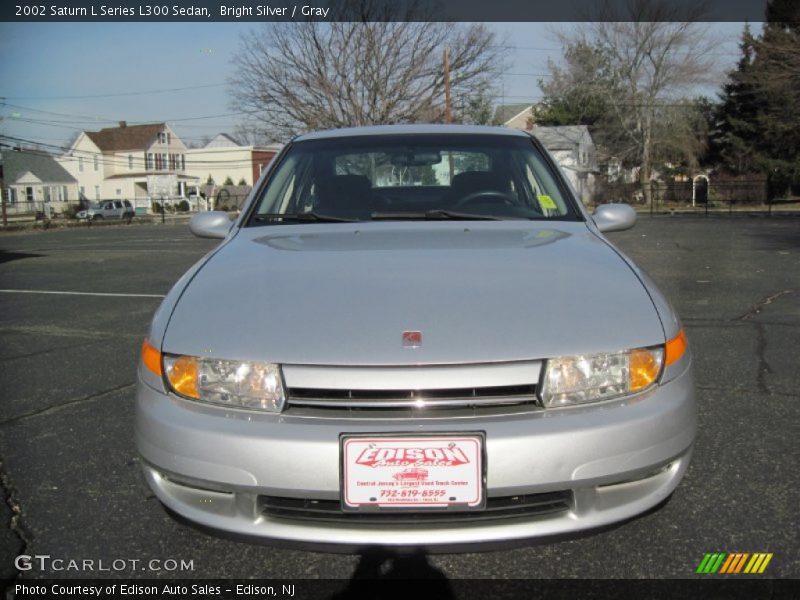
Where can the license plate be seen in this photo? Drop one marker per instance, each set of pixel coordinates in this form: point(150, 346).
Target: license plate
point(413, 472)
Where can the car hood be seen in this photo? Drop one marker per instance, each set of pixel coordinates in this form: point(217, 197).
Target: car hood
point(477, 291)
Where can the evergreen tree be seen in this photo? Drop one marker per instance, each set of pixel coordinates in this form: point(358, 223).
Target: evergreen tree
point(756, 128)
point(733, 124)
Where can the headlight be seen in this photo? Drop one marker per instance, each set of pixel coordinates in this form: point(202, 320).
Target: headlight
point(573, 380)
point(252, 385)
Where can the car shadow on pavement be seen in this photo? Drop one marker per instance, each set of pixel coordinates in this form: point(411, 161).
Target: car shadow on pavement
point(389, 573)
point(9, 256)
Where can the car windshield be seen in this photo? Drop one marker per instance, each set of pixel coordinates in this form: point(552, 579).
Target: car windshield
point(412, 177)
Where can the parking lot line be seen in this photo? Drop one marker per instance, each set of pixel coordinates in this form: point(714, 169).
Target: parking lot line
point(111, 295)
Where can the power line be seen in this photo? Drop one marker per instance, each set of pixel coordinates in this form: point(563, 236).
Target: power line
point(139, 93)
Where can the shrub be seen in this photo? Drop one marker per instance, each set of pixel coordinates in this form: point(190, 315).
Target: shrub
point(228, 181)
point(183, 206)
point(242, 182)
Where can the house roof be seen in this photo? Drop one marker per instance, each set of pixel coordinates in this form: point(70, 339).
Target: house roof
point(18, 162)
point(505, 112)
point(562, 137)
point(222, 140)
point(128, 137)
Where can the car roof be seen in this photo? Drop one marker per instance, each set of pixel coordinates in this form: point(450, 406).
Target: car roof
point(384, 130)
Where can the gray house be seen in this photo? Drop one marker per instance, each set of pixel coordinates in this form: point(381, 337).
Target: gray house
point(33, 178)
point(573, 149)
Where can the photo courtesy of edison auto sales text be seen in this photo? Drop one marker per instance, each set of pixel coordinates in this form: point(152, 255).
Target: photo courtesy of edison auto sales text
point(133, 589)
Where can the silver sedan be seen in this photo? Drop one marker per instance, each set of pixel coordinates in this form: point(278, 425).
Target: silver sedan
point(414, 336)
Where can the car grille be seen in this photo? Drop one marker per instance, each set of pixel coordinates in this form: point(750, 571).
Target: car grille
point(508, 507)
point(434, 398)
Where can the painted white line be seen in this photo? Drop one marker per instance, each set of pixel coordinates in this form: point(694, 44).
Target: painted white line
point(82, 293)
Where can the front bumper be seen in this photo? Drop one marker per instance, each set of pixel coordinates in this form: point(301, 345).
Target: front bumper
point(214, 466)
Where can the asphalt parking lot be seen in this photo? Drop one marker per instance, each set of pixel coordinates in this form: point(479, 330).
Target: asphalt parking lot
point(67, 369)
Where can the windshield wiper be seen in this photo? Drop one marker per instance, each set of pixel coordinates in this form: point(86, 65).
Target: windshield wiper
point(311, 217)
point(433, 215)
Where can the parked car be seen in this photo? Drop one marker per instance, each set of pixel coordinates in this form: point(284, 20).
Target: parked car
point(108, 209)
point(423, 297)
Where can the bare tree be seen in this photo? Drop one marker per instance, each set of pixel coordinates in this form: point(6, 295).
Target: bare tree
point(295, 77)
point(658, 53)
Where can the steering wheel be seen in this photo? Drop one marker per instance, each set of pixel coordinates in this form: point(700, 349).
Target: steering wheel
point(488, 196)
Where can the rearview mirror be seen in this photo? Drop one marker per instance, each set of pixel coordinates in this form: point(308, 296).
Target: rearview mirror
point(614, 217)
point(214, 224)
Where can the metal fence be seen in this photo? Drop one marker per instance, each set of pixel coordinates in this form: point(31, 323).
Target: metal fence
point(703, 195)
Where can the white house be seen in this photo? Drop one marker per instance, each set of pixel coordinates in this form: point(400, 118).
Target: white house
point(571, 146)
point(134, 162)
point(33, 180)
point(223, 158)
point(573, 149)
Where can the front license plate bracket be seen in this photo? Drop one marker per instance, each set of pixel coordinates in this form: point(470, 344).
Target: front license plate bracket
point(406, 472)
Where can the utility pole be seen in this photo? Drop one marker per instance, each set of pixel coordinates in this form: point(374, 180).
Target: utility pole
point(448, 113)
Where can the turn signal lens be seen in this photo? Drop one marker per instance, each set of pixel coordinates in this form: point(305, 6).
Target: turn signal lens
point(151, 357)
point(182, 373)
point(644, 367)
point(676, 348)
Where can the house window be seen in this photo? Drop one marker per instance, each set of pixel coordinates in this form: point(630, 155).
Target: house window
point(183, 162)
point(95, 163)
point(47, 193)
point(168, 140)
point(162, 138)
point(82, 192)
point(29, 194)
point(64, 194)
point(164, 161)
point(80, 163)
point(148, 161)
point(130, 162)
point(11, 195)
point(97, 192)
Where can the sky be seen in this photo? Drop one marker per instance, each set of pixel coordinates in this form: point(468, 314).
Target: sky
point(60, 78)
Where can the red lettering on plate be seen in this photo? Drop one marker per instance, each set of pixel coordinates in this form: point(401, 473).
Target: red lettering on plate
point(417, 457)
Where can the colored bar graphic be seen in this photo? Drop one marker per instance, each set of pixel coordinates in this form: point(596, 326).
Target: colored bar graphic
point(755, 562)
point(741, 562)
point(717, 564)
point(727, 564)
point(734, 563)
point(703, 563)
point(765, 563)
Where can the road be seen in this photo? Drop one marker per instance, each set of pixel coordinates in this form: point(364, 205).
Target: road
point(70, 471)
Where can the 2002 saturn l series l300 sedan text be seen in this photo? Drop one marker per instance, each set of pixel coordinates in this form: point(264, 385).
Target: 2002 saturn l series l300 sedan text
point(414, 336)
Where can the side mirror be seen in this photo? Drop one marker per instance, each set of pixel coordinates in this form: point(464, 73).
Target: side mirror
point(214, 224)
point(614, 217)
